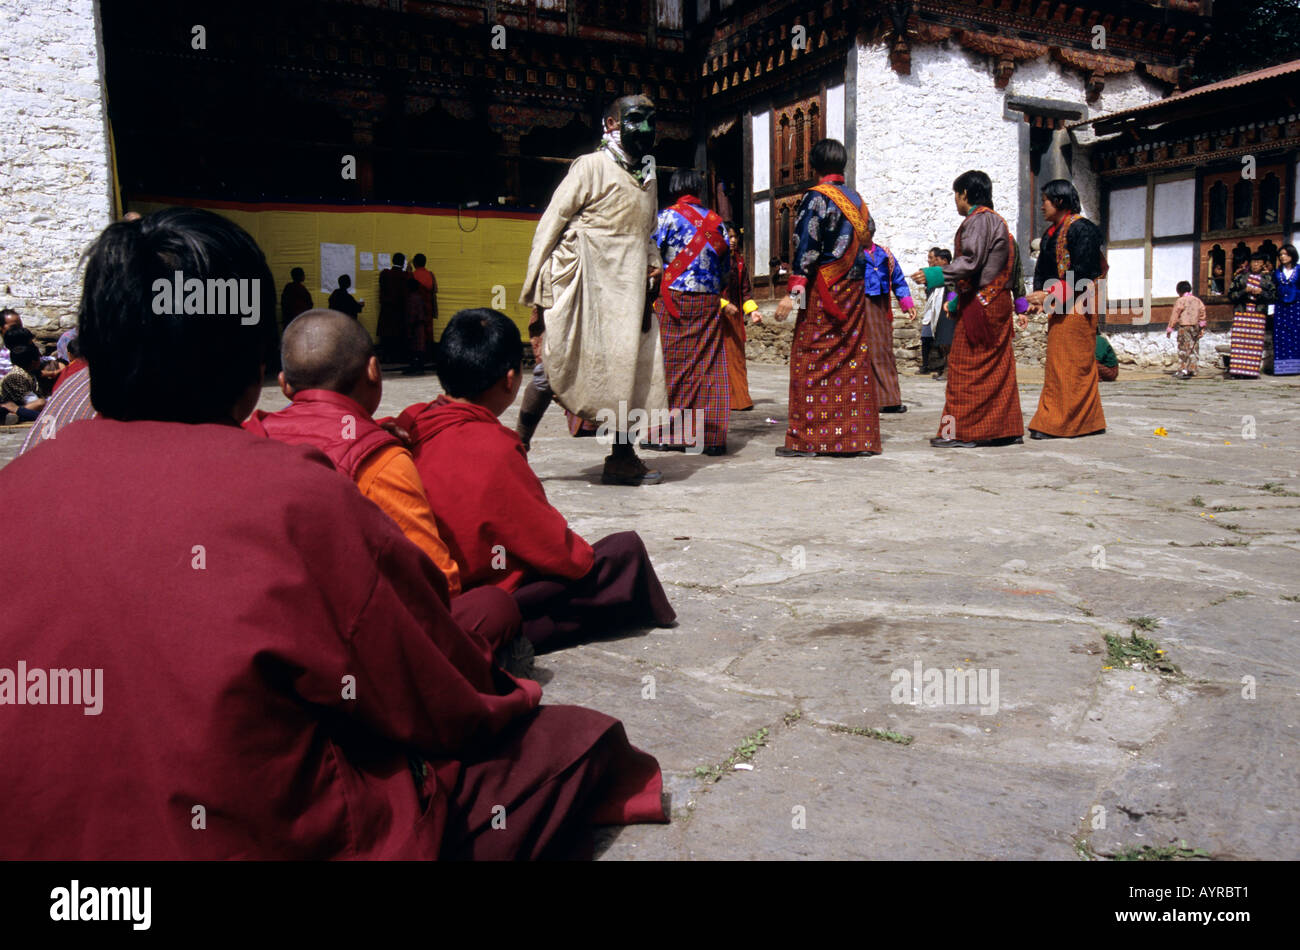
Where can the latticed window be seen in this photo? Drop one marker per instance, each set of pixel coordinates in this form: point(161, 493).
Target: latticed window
point(1218, 216)
point(1270, 197)
point(1243, 199)
point(799, 139)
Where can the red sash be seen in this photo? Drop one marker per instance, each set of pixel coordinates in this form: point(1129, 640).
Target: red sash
point(708, 230)
point(829, 274)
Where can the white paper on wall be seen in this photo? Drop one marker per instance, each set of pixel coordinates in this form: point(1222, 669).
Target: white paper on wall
point(761, 136)
point(1128, 213)
point(337, 259)
point(762, 238)
point(835, 112)
point(367, 260)
point(385, 261)
point(1127, 273)
point(1171, 263)
point(1175, 208)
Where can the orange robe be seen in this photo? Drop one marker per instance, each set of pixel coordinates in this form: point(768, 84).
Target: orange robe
point(740, 292)
point(1070, 403)
point(389, 479)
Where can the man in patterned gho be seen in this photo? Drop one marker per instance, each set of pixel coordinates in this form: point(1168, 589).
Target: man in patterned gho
point(737, 303)
point(1251, 292)
point(832, 397)
point(697, 260)
point(882, 274)
point(982, 402)
point(1066, 277)
point(592, 258)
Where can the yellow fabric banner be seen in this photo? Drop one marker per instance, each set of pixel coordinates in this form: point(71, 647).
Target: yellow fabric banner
point(478, 257)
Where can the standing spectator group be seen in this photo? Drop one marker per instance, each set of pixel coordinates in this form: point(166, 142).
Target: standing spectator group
point(408, 307)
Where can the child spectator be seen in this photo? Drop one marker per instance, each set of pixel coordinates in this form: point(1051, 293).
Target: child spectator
point(343, 301)
point(492, 509)
point(1107, 361)
point(20, 390)
point(932, 276)
point(1188, 317)
point(333, 381)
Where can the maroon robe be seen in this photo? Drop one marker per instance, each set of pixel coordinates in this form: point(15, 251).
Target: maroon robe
point(294, 299)
point(392, 305)
point(493, 514)
point(274, 653)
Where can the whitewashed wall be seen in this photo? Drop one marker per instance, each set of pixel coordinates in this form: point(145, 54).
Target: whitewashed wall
point(53, 154)
point(916, 133)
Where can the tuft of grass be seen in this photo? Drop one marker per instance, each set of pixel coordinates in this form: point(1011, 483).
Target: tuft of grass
point(1197, 501)
point(1137, 652)
point(1220, 509)
point(1233, 595)
point(1215, 481)
point(793, 716)
point(871, 733)
point(1169, 852)
point(1294, 598)
point(1276, 488)
point(1089, 524)
point(747, 749)
point(1144, 623)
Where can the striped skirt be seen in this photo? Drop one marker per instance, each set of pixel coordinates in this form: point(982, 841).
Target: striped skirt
point(880, 339)
point(832, 399)
point(695, 369)
point(1247, 343)
point(982, 401)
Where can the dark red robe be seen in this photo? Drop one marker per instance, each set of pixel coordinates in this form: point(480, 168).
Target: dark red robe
point(274, 655)
point(493, 514)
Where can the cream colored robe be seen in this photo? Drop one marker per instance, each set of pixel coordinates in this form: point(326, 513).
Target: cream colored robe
point(587, 270)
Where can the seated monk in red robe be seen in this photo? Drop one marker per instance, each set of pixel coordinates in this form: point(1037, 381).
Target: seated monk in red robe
point(334, 382)
point(492, 510)
point(265, 662)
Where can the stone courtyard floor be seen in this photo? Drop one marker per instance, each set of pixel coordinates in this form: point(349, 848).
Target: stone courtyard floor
point(803, 585)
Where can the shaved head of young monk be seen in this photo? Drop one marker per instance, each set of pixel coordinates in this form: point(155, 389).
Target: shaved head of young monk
point(325, 349)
